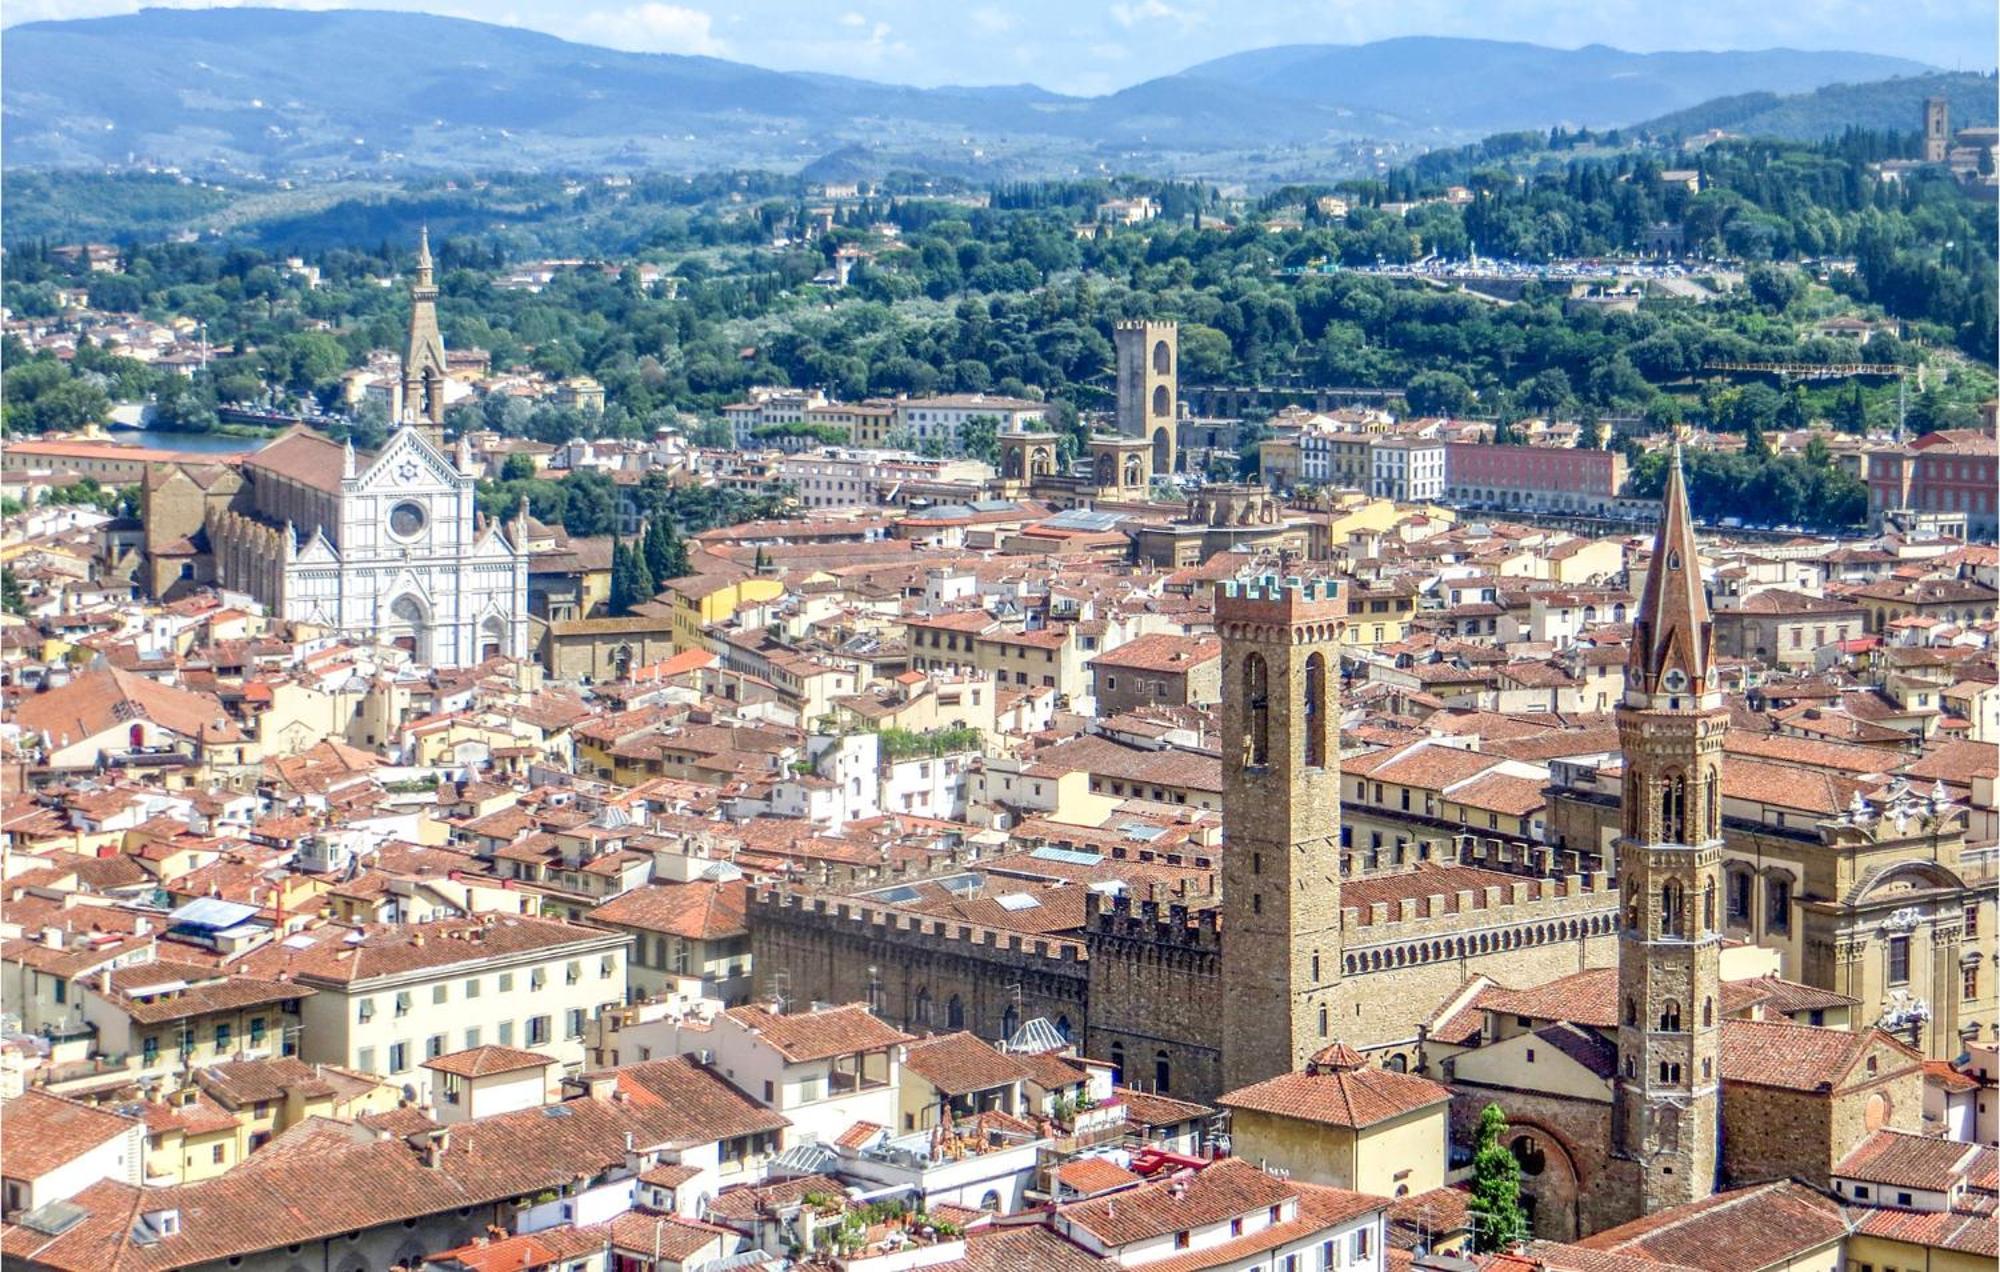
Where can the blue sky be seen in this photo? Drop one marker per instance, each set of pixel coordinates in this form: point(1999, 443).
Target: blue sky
point(1094, 46)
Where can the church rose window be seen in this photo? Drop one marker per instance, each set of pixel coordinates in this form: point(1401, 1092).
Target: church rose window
point(406, 519)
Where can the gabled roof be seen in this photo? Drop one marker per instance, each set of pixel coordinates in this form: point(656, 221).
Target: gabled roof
point(819, 1035)
point(960, 1064)
point(1764, 1226)
point(1339, 1088)
point(46, 1132)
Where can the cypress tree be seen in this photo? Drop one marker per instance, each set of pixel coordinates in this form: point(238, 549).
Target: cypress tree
point(1495, 1208)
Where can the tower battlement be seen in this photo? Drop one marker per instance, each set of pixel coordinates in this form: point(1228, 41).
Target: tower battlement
point(1271, 599)
point(1174, 925)
point(780, 905)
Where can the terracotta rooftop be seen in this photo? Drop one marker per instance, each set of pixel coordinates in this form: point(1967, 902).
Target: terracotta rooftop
point(480, 1062)
point(819, 1035)
point(1343, 1090)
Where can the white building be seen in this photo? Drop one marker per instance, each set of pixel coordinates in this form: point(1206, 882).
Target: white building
point(940, 419)
point(830, 478)
point(1231, 1217)
point(56, 1148)
point(1406, 469)
point(384, 546)
point(486, 1080)
point(823, 1070)
point(392, 996)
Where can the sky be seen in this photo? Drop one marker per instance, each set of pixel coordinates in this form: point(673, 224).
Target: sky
point(1097, 46)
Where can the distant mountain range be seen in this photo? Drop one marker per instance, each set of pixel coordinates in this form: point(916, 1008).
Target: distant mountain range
point(1885, 105)
point(354, 91)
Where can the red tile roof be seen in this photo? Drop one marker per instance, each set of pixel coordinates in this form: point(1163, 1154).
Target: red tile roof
point(819, 1035)
point(1340, 1092)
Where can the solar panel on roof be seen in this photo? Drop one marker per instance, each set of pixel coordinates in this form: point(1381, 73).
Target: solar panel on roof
point(1067, 856)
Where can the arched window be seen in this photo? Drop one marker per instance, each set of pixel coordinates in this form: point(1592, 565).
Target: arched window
point(1707, 1011)
point(1322, 1020)
point(921, 1011)
point(1315, 710)
point(1670, 1017)
point(1714, 808)
point(1257, 703)
point(1708, 906)
point(1631, 1010)
point(1118, 1060)
point(1163, 403)
point(1673, 906)
point(954, 1013)
point(1163, 358)
point(990, 1203)
point(1062, 1026)
point(1010, 1020)
point(1163, 1073)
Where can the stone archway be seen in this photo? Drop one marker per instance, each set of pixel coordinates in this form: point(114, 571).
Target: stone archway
point(409, 627)
point(1550, 1183)
point(1163, 449)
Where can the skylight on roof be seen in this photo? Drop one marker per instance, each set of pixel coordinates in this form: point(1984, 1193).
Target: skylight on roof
point(1067, 856)
point(1017, 901)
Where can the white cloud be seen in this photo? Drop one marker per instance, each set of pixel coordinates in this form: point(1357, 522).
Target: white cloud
point(653, 28)
point(989, 20)
point(1132, 13)
point(852, 19)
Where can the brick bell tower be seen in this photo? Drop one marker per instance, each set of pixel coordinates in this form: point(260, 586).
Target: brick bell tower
point(1670, 725)
point(1281, 941)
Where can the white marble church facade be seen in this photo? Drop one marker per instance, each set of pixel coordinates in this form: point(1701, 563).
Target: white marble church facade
point(387, 546)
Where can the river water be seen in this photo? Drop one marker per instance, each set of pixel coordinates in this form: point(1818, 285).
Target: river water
point(201, 443)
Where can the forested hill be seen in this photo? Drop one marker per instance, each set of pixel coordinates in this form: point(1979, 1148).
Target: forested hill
point(1885, 105)
point(353, 92)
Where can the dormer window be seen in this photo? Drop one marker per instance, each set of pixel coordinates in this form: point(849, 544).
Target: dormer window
point(1673, 559)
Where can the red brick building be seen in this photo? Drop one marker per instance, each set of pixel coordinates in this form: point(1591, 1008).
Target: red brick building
point(1952, 471)
point(1533, 478)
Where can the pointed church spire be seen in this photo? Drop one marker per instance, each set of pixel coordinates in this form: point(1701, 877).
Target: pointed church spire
point(1673, 633)
point(424, 268)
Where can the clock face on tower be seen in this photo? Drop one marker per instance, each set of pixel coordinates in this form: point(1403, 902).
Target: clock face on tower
point(406, 520)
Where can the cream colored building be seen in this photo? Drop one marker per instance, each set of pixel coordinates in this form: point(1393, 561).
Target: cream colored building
point(393, 996)
point(1344, 1123)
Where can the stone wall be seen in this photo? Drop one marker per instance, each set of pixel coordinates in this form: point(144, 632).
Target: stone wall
point(1577, 1186)
point(911, 968)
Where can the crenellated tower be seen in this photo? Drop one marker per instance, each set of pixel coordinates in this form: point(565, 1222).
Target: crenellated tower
point(1671, 726)
point(1281, 822)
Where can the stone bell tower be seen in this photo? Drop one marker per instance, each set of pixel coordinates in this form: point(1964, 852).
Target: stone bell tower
point(1671, 724)
point(1281, 941)
point(1149, 358)
point(423, 353)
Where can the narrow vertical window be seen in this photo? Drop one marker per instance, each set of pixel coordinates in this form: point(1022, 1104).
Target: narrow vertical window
point(1257, 703)
point(1315, 711)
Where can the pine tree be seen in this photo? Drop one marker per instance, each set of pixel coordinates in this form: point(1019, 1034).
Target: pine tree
point(1497, 1219)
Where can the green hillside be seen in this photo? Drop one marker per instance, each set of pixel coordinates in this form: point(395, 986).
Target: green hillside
point(1893, 105)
